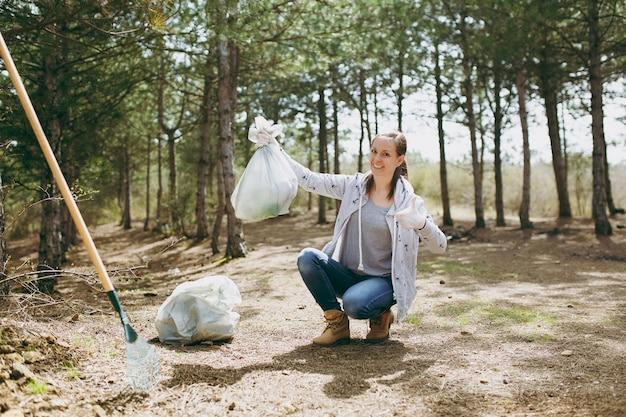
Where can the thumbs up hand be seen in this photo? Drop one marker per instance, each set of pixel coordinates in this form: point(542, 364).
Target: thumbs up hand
point(410, 217)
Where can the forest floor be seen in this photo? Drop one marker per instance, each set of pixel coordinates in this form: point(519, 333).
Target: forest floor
point(506, 323)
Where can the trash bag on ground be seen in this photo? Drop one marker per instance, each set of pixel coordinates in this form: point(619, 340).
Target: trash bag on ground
point(268, 185)
point(199, 311)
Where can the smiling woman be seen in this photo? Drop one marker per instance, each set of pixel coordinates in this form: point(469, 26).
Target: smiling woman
point(387, 164)
point(363, 264)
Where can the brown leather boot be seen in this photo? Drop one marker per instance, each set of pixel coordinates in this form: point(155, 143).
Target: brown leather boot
point(379, 327)
point(337, 329)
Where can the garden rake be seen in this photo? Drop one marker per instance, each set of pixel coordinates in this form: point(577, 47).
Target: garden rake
point(142, 361)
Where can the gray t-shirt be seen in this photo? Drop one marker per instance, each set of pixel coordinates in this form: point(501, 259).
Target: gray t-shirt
point(376, 242)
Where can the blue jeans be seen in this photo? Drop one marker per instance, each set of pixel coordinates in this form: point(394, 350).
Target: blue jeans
point(363, 296)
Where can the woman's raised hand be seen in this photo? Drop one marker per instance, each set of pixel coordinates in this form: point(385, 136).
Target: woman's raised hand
point(263, 132)
point(410, 217)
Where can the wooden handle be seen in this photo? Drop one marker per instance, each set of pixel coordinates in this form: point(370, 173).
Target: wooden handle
point(54, 166)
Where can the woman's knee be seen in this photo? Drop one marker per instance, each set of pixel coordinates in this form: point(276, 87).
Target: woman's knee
point(308, 259)
point(368, 298)
point(355, 307)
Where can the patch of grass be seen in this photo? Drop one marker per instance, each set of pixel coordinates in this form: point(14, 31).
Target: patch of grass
point(457, 310)
point(413, 320)
point(70, 370)
point(546, 338)
point(221, 261)
point(88, 342)
point(112, 354)
point(37, 387)
point(501, 315)
point(450, 266)
point(456, 268)
point(477, 311)
point(461, 313)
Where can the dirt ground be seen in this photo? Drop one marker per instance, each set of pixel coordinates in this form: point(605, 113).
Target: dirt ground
point(506, 323)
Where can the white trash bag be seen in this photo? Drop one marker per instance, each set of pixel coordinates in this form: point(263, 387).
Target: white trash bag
point(199, 311)
point(268, 185)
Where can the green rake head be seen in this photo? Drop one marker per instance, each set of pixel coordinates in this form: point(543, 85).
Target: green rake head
point(143, 365)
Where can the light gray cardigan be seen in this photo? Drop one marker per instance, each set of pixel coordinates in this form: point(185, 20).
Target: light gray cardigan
point(350, 189)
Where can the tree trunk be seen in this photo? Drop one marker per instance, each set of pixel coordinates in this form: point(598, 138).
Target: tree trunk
point(126, 199)
point(549, 94)
point(599, 202)
point(443, 170)
point(4, 279)
point(524, 209)
point(173, 189)
point(159, 210)
point(375, 105)
point(219, 213)
point(613, 209)
point(363, 116)
point(202, 223)
point(400, 91)
point(50, 234)
point(68, 228)
point(468, 90)
point(227, 52)
point(497, 151)
point(322, 140)
point(309, 165)
point(163, 128)
point(170, 132)
point(558, 161)
point(146, 222)
point(237, 244)
point(336, 147)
